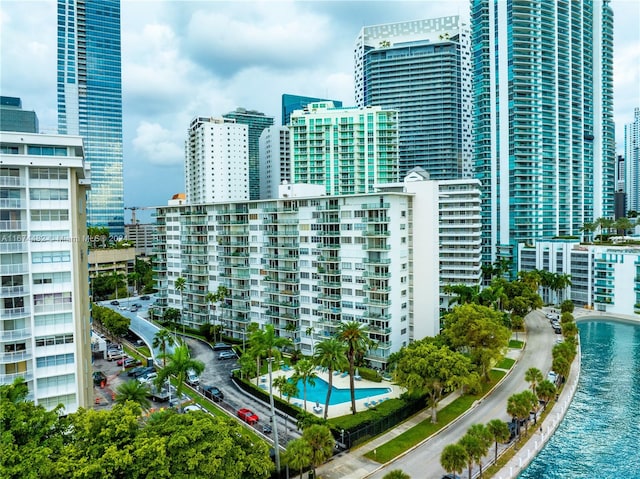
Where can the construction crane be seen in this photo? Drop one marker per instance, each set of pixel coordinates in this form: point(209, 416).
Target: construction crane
point(133, 211)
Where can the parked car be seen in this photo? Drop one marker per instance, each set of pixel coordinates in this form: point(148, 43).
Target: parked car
point(212, 393)
point(222, 347)
point(145, 297)
point(193, 407)
point(227, 355)
point(98, 377)
point(133, 308)
point(129, 362)
point(139, 370)
point(115, 303)
point(248, 416)
point(114, 354)
point(143, 372)
point(266, 429)
point(192, 378)
point(148, 378)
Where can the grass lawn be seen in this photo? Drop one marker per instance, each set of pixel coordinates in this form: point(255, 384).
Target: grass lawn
point(426, 428)
point(513, 344)
point(506, 363)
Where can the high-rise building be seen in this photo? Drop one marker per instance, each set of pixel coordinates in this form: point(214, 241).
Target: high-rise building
point(275, 160)
point(422, 69)
point(291, 103)
point(216, 166)
point(14, 118)
point(44, 294)
point(90, 99)
point(544, 145)
point(306, 264)
point(256, 122)
point(348, 150)
point(632, 162)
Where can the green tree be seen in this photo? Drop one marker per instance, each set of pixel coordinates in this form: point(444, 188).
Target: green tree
point(115, 280)
point(310, 332)
point(356, 338)
point(519, 406)
point(534, 377)
point(499, 431)
point(478, 330)
point(321, 441)
point(479, 446)
point(162, 340)
point(396, 474)
point(561, 365)
point(432, 370)
point(546, 391)
point(304, 371)
point(330, 354)
point(461, 293)
point(570, 329)
point(298, 455)
point(279, 383)
point(454, 458)
point(111, 320)
point(180, 285)
point(214, 300)
point(179, 364)
point(566, 306)
point(133, 279)
point(134, 391)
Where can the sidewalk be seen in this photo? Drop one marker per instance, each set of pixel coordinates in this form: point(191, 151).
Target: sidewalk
point(353, 464)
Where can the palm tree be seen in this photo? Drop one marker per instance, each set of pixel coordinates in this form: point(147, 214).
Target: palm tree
point(396, 474)
point(115, 280)
point(321, 441)
point(481, 445)
point(180, 362)
point(453, 458)
point(304, 371)
point(499, 432)
point(472, 447)
point(331, 354)
point(533, 376)
point(221, 293)
point(134, 277)
point(546, 391)
point(280, 383)
point(264, 341)
point(298, 455)
point(518, 407)
point(135, 391)
point(180, 285)
point(310, 332)
point(354, 335)
point(162, 340)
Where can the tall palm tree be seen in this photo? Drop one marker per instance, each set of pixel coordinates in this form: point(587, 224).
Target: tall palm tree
point(499, 432)
point(298, 455)
point(180, 284)
point(482, 445)
point(330, 354)
point(396, 474)
point(179, 364)
point(115, 280)
point(310, 332)
point(162, 340)
point(546, 391)
point(355, 337)
point(133, 390)
point(304, 371)
point(280, 383)
point(321, 441)
point(265, 341)
point(214, 300)
point(453, 458)
point(534, 377)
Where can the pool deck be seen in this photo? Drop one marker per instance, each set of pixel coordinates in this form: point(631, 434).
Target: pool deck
point(340, 382)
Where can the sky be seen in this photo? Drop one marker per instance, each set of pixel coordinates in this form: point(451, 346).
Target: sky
point(182, 59)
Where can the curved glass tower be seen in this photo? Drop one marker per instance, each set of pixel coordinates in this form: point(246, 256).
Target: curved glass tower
point(544, 145)
point(90, 100)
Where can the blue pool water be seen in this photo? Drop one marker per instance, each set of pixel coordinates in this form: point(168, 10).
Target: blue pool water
point(600, 435)
point(318, 393)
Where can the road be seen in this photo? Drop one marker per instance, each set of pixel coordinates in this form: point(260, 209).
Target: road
point(424, 461)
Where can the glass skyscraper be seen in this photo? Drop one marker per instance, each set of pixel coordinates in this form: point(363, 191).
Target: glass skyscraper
point(544, 146)
point(257, 122)
point(90, 100)
point(422, 69)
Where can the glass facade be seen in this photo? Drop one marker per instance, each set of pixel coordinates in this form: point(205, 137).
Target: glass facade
point(543, 126)
point(90, 100)
point(291, 103)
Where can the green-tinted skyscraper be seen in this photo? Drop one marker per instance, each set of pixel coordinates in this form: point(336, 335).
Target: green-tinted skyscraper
point(544, 146)
point(257, 122)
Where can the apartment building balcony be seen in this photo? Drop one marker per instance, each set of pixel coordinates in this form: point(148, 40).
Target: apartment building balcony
point(375, 219)
point(236, 274)
point(238, 307)
point(328, 233)
point(16, 313)
point(285, 304)
point(229, 221)
point(277, 267)
point(329, 246)
point(10, 335)
point(368, 315)
point(328, 259)
point(371, 246)
point(377, 302)
point(331, 310)
point(376, 288)
point(11, 291)
point(290, 257)
point(10, 378)
point(376, 274)
point(17, 268)
point(281, 245)
point(376, 261)
point(8, 357)
point(329, 207)
point(332, 297)
point(370, 233)
point(13, 225)
point(232, 242)
point(280, 209)
point(375, 206)
point(604, 267)
point(14, 247)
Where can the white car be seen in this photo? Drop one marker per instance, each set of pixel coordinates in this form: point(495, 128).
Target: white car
point(149, 378)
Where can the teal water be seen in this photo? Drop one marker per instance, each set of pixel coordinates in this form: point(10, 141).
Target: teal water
point(318, 393)
point(600, 434)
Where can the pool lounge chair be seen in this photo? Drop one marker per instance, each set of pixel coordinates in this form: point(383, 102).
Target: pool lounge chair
point(335, 373)
point(367, 404)
point(357, 378)
point(344, 374)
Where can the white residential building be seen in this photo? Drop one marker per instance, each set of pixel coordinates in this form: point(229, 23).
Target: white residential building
point(44, 315)
point(216, 161)
point(603, 278)
point(306, 265)
point(632, 161)
point(275, 160)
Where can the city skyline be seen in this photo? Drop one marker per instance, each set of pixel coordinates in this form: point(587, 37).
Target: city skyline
point(169, 78)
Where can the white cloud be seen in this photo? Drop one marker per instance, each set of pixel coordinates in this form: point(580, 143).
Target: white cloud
point(158, 145)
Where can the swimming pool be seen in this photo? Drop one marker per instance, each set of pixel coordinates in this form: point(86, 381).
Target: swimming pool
point(318, 393)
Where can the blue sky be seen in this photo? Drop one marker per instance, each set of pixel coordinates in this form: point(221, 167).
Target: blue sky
point(182, 59)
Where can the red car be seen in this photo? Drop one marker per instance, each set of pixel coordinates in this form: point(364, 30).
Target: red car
point(247, 415)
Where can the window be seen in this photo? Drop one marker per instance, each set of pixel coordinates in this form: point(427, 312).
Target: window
point(49, 194)
point(50, 257)
point(49, 215)
point(53, 340)
point(57, 360)
point(48, 173)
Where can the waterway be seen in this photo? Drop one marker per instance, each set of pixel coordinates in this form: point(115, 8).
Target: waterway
point(600, 434)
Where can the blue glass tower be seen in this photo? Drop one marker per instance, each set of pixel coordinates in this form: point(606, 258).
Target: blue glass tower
point(544, 146)
point(90, 100)
point(291, 103)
